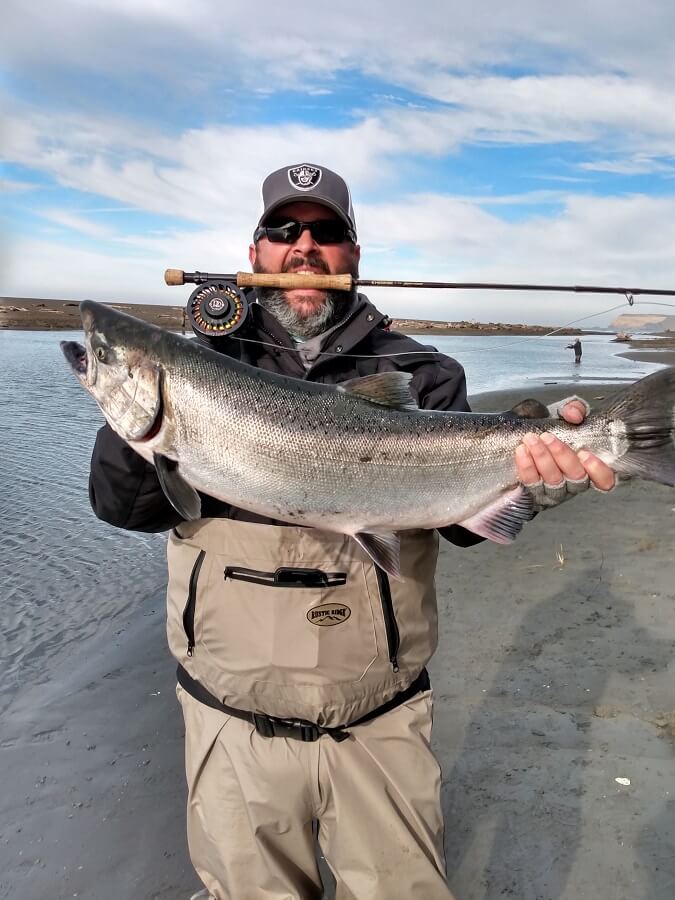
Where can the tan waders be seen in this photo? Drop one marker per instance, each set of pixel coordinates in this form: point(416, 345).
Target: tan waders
point(252, 801)
point(285, 624)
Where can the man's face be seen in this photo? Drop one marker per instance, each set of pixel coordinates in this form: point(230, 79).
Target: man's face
point(305, 311)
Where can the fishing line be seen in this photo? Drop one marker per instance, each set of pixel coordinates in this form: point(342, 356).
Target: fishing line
point(468, 349)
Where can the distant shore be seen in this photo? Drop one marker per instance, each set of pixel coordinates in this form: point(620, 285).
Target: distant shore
point(31, 314)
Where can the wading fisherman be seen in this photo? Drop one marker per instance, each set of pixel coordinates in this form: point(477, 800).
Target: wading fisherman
point(301, 665)
point(576, 346)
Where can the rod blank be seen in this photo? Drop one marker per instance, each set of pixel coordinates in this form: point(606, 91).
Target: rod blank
point(291, 280)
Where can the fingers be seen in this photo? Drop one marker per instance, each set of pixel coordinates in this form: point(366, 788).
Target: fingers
point(573, 412)
point(552, 460)
point(602, 477)
point(544, 457)
point(527, 470)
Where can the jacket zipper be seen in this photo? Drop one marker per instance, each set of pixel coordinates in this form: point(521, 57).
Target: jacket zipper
point(189, 611)
point(390, 624)
point(270, 335)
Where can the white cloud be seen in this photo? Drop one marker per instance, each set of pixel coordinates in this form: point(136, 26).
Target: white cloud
point(8, 186)
point(74, 222)
point(601, 76)
point(618, 241)
point(555, 108)
point(634, 165)
point(216, 170)
point(291, 45)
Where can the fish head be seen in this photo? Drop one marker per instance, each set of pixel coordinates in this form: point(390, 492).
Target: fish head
point(118, 364)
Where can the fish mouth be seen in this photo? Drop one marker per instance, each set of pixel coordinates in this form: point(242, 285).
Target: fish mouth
point(76, 355)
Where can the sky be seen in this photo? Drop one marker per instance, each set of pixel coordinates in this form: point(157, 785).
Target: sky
point(482, 141)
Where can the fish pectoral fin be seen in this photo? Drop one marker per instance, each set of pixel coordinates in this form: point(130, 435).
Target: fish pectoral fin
point(502, 520)
point(384, 548)
point(383, 388)
point(182, 496)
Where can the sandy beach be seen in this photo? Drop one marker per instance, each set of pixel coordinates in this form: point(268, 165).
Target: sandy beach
point(553, 679)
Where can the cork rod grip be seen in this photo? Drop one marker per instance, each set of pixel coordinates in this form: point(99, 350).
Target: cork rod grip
point(174, 276)
point(292, 280)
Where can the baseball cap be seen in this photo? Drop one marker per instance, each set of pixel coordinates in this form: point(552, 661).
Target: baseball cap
point(307, 182)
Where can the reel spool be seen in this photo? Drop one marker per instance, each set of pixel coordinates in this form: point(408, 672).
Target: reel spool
point(217, 309)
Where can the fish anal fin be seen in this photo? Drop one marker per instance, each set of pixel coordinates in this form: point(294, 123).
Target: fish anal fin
point(503, 519)
point(182, 496)
point(384, 548)
point(383, 388)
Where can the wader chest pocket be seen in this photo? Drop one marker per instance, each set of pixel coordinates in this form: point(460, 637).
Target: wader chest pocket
point(287, 576)
point(268, 623)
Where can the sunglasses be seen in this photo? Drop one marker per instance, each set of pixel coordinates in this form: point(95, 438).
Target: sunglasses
point(323, 231)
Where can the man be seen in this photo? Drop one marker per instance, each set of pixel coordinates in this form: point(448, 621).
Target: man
point(301, 666)
point(576, 346)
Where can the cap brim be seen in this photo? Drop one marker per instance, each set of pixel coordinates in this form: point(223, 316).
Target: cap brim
point(294, 198)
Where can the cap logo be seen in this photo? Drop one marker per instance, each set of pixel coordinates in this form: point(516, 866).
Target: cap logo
point(304, 178)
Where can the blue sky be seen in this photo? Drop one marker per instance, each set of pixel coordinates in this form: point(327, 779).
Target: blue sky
point(482, 142)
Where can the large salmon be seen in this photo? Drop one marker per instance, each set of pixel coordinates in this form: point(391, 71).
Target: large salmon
point(359, 458)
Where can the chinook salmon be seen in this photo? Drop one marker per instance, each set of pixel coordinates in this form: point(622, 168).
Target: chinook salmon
point(359, 458)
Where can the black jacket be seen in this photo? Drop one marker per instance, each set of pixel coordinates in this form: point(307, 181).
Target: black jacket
point(124, 490)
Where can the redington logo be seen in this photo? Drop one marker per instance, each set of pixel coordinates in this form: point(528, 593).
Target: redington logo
point(328, 614)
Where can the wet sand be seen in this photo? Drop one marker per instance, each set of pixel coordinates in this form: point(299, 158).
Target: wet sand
point(553, 678)
point(667, 357)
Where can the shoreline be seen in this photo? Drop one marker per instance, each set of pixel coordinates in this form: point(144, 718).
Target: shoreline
point(29, 314)
point(553, 677)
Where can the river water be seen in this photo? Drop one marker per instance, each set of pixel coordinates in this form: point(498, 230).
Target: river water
point(65, 576)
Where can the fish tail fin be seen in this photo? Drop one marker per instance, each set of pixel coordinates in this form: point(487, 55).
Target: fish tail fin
point(645, 416)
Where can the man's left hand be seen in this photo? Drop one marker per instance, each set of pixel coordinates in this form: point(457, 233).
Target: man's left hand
point(553, 471)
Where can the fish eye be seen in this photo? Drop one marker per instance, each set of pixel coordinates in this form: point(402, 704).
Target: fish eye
point(104, 354)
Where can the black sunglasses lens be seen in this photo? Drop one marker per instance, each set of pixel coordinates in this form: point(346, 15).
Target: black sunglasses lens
point(327, 231)
point(324, 231)
point(282, 232)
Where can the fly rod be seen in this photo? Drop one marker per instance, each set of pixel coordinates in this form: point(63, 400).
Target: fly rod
point(293, 280)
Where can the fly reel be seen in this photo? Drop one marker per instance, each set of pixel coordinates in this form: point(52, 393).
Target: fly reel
point(217, 309)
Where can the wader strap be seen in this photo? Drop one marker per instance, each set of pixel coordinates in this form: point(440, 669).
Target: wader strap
point(298, 729)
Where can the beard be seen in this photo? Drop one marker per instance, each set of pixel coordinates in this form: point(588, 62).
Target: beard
point(320, 318)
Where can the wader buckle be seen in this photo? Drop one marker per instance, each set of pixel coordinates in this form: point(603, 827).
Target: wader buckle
point(299, 730)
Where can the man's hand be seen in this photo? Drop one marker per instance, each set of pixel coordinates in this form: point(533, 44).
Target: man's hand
point(553, 471)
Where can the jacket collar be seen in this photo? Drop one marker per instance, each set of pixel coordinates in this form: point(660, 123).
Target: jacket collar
point(341, 339)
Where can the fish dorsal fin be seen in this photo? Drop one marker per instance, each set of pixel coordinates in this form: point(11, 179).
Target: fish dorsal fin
point(383, 388)
point(182, 496)
point(503, 520)
point(384, 548)
point(531, 409)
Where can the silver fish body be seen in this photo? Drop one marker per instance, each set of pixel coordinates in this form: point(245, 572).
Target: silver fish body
point(359, 459)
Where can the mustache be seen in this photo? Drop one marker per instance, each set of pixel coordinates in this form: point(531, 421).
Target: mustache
point(313, 260)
